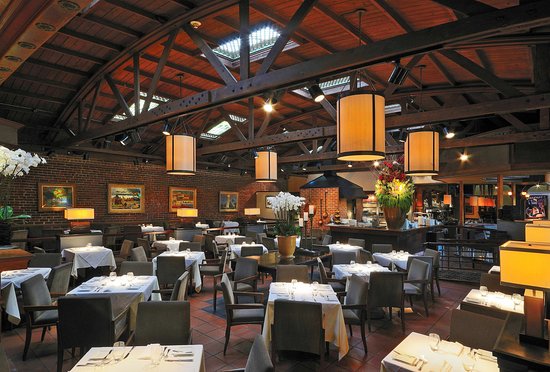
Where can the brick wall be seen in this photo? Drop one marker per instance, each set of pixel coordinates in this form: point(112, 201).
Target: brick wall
point(92, 176)
point(330, 201)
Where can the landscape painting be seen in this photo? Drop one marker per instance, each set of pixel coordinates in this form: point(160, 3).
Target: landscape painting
point(124, 198)
point(55, 197)
point(181, 197)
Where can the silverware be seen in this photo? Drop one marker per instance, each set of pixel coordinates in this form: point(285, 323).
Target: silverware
point(126, 356)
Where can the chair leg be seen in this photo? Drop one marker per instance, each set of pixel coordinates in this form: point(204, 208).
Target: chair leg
point(215, 295)
point(391, 312)
point(425, 295)
point(43, 334)
point(227, 334)
point(403, 319)
point(432, 289)
point(28, 337)
point(59, 357)
point(350, 330)
point(437, 282)
point(411, 301)
point(363, 337)
point(368, 319)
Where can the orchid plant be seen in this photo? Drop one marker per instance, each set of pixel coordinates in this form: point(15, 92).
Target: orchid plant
point(13, 164)
point(286, 208)
point(393, 187)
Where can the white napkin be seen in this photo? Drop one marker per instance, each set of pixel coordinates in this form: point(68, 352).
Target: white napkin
point(99, 354)
point(454, 348)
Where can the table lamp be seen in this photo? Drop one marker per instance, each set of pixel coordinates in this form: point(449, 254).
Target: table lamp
point(79, 219)
point(525, 265)
point(252, 211)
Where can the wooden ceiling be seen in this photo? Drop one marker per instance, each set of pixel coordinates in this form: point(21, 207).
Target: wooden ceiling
point(484, 73)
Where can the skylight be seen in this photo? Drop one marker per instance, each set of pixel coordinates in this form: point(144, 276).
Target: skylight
point(261, 41)
point(238, 119)
point(216, 131)
point(154, 103)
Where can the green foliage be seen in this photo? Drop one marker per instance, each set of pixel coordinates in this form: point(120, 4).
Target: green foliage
point(286, 228)
point(395, 193)
point(6, 214)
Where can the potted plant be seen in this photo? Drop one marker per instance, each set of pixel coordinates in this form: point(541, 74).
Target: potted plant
point(394, 191)
point(286, 207)
point(13, 164)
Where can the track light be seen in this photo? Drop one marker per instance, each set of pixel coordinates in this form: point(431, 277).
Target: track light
point(122, 138)
point(71, 132)
point(86, 156)
point(350, 164)
point(399, 74)
point(402, 136)
point(316, 93)
point(376, 164)
point(106, 143)
point(464, 157)
point(269, 104)
point(134, 136)
point(448, 133)
point(254, 153)
point(167, 129)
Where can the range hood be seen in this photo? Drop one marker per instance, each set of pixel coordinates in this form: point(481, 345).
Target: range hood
point(348, 190)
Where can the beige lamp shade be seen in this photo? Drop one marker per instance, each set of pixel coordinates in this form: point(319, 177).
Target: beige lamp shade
point(474, 201)
point(525, 264)
point(481, 202)
point(422, 153)
point(73, 214)
point(447, 199)
point(187, 212)
point(181, 158)
point(252, 211)
point(266, 166)
point(360, 127)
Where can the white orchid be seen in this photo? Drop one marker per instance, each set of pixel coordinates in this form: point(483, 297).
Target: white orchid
point(286, 206)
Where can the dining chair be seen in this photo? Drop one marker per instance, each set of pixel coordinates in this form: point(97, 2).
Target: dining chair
point(245, 239)
point(381, 248)
point(86, 322)
point(258, 358)
point(132, 232)
point(429, 260)
point(307, 242)
point(243, 279)
point(199, 238)
point(269, 243)
point(146, 244)
point(251, 250)
point(297, 326)
point(343, 257)
point(475, 330)
point(125, 251)
point(19, 238)
point(355, 306)
point(364, 256)
point(59, 279)
point(386, 290)
point(338, 285)
point(260, 236)
point(327, 239)
point(210, 247)
point(285, 273)
point(169, 269)
point(138, 254)
point(239, 314)
point(357, 242)
point(110, 236)
point(435, 268)
point(213, 266)
point(45, 260)
point(136, 267)
point(173, 329)
point(38, 307)
point(192, 246)
point(418, 278)
point(492, 282)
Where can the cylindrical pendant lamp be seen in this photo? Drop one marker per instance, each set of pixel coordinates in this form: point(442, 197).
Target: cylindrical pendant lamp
point(266, 166)
point(360, 126)
point(422, 153)
point(181, 158)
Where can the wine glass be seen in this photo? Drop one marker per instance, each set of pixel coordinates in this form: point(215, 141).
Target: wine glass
point(352, 263)
point(434, 341)
point(393, 251)
point(156, 353)
point(516, 297)
point(369, 263)
point(118, 350)
point(337, 242)
point(484, 291)
point(89, 245)
point(469, 361)
point(130, 276)
point(112, 276)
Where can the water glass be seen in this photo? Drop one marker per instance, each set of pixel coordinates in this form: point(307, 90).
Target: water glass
point(434, 341)
point(112, 276)
point(393, 251)
point(89, 245)
point(484, 291)
point(130, 276)
point(188, 250)
point(337, 242)
point(352, 263)
point(118, 351)
point(401, 252)
point(469, 361)
point(369, 263)
point(156, 353)
point(516, 297)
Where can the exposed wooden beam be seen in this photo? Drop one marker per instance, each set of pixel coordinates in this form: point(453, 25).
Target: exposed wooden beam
point(393, 15)
point(251, 124)
point(244, 17)
point(137, 82)
point(516, 123)
point(90, 39)
point(265, 123)
point(56, 67)
point(119, 98)
point(74, 53)
point(113, 26)
point(344, 24)
point(466, 7)
point(442, 69)
point(136, 10)
point(43, 81)
point(303, 158)
point(303, 147)
point(329, 108)
point(93, 106)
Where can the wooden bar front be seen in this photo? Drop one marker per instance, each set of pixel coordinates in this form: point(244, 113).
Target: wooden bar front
point(13, 259)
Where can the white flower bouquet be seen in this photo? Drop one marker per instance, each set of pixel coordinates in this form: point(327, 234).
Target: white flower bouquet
point(286, 208)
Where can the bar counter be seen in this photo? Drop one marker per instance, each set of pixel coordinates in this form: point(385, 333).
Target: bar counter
point(410, 240)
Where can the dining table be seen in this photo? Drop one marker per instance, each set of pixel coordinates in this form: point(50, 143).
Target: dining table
point(172, 245)
point(89, 256)
point(11, 281)
point(101, 285)
point(150, 228)
point(227, 239)
point(333, 318)
point(192, 258)
point(344, 248)
point(492, 300)
point(235, 249)
point(393, 259)
point(342, 271)
point(415, 354)
point(170, 358)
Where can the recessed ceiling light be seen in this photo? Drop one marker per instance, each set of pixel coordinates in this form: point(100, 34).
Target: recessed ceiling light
point(45, 26)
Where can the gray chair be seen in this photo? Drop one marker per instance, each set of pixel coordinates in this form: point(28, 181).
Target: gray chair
point(125, 251)
point(258, 358)
point(386, 290)
point(429, 260)
point(169, 269)
point(418, 278)
point(343, 257)
point(239, 314)
point(214, 266)
point(381, 248)
point(192, 246)
point(199, 238)
point(259, 237)
point(297, 326)
point(136, 267)
point(138, 254)
point(355, 306)
point(243, 279)
point(327, 239)
point(179, 291)
point(146, 246)
point(338, 285)
point(59, 279)
point(475, 330)
point(110, 236)
point(285, 273)
point(19, 238)
point(364, 256)
point(50, 260)
point(435, 268)
point(357, 242)
point(38, 250)
point(251, 250)
point(246, 239)
point(37, 303)
point(492, 282)
point(269, 243)
point(174, 329)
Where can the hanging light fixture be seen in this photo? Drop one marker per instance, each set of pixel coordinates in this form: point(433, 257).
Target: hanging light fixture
point(316, 93)
point(266, 166)
point(447, 199)
point(167, 128)
point(422, 153)
point(181, 158)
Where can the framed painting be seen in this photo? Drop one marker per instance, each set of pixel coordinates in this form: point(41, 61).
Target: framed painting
point(229, 201)
point(267, 202)
point(182, 197)
point(56, 196)
point(124, 198)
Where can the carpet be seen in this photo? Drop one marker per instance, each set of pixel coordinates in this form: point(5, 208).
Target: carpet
point(456, 275)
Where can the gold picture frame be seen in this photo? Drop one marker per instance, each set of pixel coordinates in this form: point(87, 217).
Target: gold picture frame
point(228, 201)
point(181, 197)
point(56, 196)
point(126, 198)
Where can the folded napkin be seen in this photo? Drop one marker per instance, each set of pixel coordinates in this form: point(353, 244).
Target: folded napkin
point(99, 354)
point(473, 300)
point(485, 355)
point(405, 358)
point(454, 348)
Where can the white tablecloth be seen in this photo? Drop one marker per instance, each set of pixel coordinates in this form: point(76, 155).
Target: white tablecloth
point(494, 269)
point(139, 359)
point(416, 345)
point(298, 239)
point(11, 280)
point(101, 285)
point(172, 245)
point(202, 226)
point(399, 259)
point(152, 229)
point(227, 239)
point(494, 299)
point(333, 318)
point(233, 224)
point(191, 259)
point(89, 257)
point(363, 270)
point(345, 248)
point(236, 249)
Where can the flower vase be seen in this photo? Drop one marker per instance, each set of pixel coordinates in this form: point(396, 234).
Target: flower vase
point(395, 217)
point(287, 245)
point(5, 233)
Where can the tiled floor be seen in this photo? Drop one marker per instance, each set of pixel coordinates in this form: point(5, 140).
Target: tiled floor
point(208, 329)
